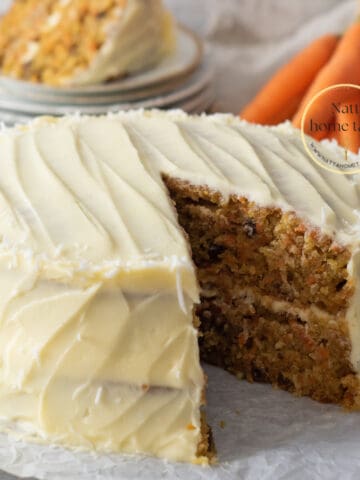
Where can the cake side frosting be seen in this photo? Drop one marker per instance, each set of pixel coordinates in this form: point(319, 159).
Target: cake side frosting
point(93, 367)
point(139, 39)
point(96, 331)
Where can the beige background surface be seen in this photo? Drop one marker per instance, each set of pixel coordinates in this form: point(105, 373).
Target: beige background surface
point(249, 39)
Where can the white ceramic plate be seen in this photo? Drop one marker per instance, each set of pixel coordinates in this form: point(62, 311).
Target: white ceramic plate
point(130, 96)
point(198, 103)
point(196, 83)
point(186, 59)
point(187, 86)
point(11, 118)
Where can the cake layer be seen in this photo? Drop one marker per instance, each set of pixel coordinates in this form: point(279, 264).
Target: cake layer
point(277, 298)
point(304, 352)
point(272, 251)
point(81, 42)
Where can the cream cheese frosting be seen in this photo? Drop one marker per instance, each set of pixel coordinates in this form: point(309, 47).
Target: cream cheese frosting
point(141, 34)
point(100, 367)
point(97, 281)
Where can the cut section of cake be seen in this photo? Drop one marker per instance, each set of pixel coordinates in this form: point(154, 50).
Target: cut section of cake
point(100, 304)
point(82, 42)
point(275, 240)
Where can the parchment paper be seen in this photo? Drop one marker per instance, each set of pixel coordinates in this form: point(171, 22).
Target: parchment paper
point(260, 433)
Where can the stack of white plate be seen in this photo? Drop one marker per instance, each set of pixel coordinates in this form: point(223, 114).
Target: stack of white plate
point(183, 80)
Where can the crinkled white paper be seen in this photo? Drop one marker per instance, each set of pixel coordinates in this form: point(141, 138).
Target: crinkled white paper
point(261, 434)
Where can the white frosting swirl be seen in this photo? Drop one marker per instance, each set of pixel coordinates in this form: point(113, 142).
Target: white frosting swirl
point(137, 39)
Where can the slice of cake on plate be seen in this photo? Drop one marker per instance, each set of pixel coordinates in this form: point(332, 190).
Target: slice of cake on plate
point(82, 42)
point(100, 303)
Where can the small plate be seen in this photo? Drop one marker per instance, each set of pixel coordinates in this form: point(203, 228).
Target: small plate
point(12, 118)
point(196, 83)
point(108, 99)
point(186, 59)
point(200, 103)
point(195, 80)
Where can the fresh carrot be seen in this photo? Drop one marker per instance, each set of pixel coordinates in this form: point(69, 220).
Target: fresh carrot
point(333, 136)
point(286, 112)
point(348, 135)
point(280, 97)
point(343, 67)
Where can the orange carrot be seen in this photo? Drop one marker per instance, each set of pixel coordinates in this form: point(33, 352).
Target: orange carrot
point(348, 135)
point(286, 112)
point(343, 67)
point(280, 97)
point(333, 136)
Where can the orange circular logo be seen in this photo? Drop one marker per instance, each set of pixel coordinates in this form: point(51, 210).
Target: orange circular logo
point(334, 114)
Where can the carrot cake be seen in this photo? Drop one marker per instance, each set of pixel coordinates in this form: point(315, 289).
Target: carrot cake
point(81, 42)
point(124, 238)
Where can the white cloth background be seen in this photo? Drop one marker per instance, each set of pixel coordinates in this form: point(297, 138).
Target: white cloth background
point(250, 39)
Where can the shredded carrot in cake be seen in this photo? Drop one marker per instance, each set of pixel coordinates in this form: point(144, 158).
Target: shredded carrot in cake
point(48, 40)
point(191, 427)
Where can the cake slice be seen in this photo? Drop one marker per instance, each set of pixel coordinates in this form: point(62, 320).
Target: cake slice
point(83, 42)
point(100, 303)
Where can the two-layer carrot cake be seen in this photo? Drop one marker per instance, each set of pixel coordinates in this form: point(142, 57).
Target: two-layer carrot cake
point(122, 236)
